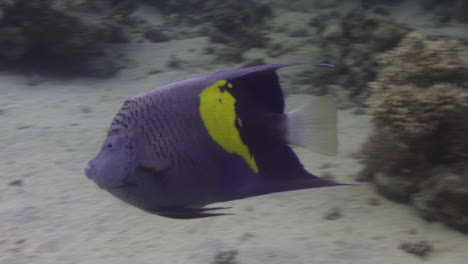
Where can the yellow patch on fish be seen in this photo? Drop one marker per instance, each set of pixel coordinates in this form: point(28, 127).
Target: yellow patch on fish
point(218, 112)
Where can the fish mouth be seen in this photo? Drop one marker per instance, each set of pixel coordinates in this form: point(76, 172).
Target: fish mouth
point(89, 172)
point(124, 185)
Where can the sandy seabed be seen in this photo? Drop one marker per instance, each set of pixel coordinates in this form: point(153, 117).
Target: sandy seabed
point(56, 215)
point(52, 213)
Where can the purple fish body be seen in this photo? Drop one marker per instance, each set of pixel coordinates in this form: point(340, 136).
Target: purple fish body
point(207, 139)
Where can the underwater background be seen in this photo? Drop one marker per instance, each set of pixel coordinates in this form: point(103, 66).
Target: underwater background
point(400, 80)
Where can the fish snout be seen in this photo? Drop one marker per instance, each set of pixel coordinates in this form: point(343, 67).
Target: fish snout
point(90, 171)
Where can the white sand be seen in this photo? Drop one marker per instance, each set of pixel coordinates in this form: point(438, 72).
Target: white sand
point(49, 131)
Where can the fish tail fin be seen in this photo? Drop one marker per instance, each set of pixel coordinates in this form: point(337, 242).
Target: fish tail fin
point(313, 126)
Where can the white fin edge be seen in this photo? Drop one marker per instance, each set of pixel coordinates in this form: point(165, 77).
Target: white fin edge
point(313, 126)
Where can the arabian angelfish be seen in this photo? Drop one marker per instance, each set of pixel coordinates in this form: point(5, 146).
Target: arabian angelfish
point(212, 138)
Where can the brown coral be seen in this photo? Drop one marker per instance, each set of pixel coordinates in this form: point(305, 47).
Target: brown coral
point(411, 112)
point(422, 63)
point(419, 91)
point(419, 104)
point(65, 34)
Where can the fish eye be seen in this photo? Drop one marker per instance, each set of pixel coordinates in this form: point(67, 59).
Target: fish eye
point(109, 145)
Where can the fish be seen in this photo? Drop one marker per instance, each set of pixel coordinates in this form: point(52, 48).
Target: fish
point(213, 138)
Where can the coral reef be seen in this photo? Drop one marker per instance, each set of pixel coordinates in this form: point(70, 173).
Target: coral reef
point(448, 10)
point(419, 105)
point(414, 98)
point(443, 197)
point(67, 33)
point(235, 23)
point(371, 3)
point(351, 40)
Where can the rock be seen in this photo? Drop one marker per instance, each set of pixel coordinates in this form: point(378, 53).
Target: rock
point(64, 33)
point(226, 257)
point(154, 34)
point(247, 236)
point(327, 165)
point(444, 198)
point(447, 10)
point(13, 43)
point(387, 33)
point(254, 62)
point(352, 40)
point(229, 54)
point(370, 3)
point(397, 188)
point(373, 201)
point(235, 23)
point(16, 183)
point(380, 10)
point(333, 214)
point(86, 109)
point(461, 11)
point(35, 79)
point(332, 32)
point(328, 176)
point(174, 62)
point(101, 66)
point(322, 4)
point(298, 33)
point(118, 35)
point(420, 248)
point(363, 176)
point(359, 111)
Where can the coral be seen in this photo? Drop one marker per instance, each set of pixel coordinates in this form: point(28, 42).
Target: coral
point(385, 28)
point(13, 43)
point(386, 34)
point(371, 3)
point(431, 62)
point(351, 40)
point(411, 113)
point(235, 23)
point(415, 98)
point(444, 198)
point(382, 152)
point(419, 104)
point(154, 34)
point(448, 10)
point(238, 24)
point(68, 32)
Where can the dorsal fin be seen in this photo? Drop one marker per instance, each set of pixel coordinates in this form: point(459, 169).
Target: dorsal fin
point(258, 86)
